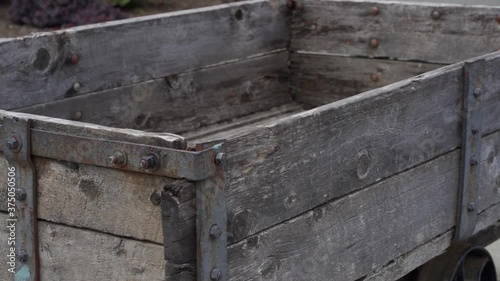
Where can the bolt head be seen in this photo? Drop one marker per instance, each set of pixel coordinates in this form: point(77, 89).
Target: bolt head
point(155, 198)
point(374, 43)
point(78, 115)
point(74, 59)
point(375, 11)
point(471, 207)
point(374, 77)
point(436, 14)
point(477, 92)
point(76, 87)
point(13, 144)
point(220, 158)
point(22, 256)
point(215, 232)
point(216, 274)
point(20, 194)
point(473, 162)
point(475, 131)
point(498, 19)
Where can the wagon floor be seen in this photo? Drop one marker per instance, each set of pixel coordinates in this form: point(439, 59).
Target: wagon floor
point(240, 126)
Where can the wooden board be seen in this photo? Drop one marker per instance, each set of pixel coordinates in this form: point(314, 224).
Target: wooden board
point(404, 31)
point(281, 170)
point(361, 232)
point(320, 79)
point(68, 253)
point(185, 102)
point(126, 52)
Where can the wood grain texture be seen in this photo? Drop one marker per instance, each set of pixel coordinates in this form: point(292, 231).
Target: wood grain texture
point(68, 253)
point(281, 170)
point(185, 102)
point(320, 79)
point(126, 52)
point(362, 232)
point(405, 31)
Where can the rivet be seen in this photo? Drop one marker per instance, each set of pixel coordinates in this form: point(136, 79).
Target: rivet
point(436, 14)
point(375, 11)
point(471, 207)
point(215, 232)
point(22, 256)
point(374, 43)
point(20, 194)
point(149, 162)
point(73, 59)
point(155, 198)
point(220, 158)
point(78, 115)
point(119, 158)
point(216, 274)
point(374, 77)
point(13, 144)
point(76, 87)
point(473, 162)
point(477, 92)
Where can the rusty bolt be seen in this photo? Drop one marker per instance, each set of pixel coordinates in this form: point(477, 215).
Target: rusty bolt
point(477, 92)
point(73, 59)
point(471, 207)
point(76, 87)
point(22, 256)
point(220, 158)
point(13, 144)
point(119, 158)
point(149, 162)
point(375, 11)
point(498, 19)
point(436, 14)
point(20, 194)
point(78, 115)
point(155, 198)
point(215, 232)
point(473, 162)
point(374, 77)
point(374, 43)
point(216, 274)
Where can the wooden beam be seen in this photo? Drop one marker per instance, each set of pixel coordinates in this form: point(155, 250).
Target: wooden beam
point(436, 33)
point(185, 102)
point(119, 53)
point(320, 79)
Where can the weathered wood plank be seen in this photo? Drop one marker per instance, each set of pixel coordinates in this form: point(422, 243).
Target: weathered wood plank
point(405, 31)
point(281, 170)
point(68, 253)
point(321, 79)
point(184, 102)
point(107, 200)
point(130, 51)
point(355, 235)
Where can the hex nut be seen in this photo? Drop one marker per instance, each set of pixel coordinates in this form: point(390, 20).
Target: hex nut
point(149, 162)
point(119, 158)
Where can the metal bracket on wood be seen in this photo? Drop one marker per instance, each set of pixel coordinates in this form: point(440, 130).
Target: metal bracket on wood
point(471, 149)
point(22, 170)
point(211, 224)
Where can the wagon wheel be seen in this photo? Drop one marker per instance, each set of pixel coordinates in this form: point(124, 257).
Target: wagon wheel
point(462, 262)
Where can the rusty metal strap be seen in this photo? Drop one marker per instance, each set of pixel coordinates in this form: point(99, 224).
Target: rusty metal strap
point(471, 149)
point(155, 160)
point(22, 184)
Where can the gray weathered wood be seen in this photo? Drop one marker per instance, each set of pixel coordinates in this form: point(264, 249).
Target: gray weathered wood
point(281, 170)
point(127, 52)
point(405, 31)
point(351, 237)
point(184, 102)
point(68, 253)
point(321, 79)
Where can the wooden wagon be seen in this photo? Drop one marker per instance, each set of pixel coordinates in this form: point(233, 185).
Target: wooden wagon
point(258, 140)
